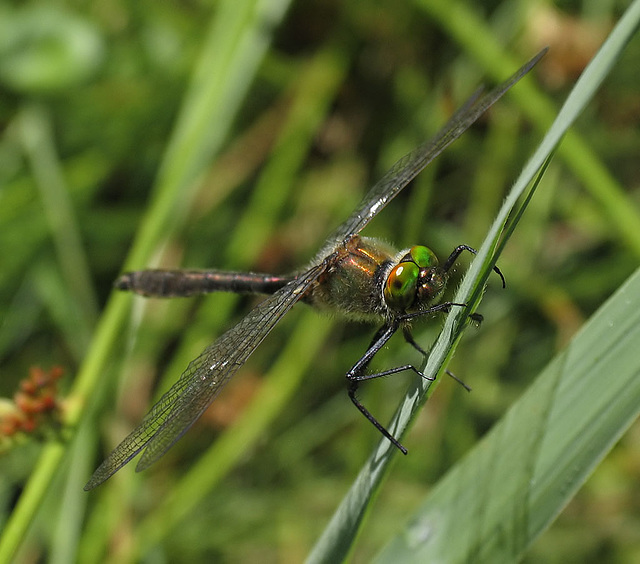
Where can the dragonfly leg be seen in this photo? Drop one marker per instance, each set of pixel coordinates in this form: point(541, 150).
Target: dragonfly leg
point(445, 308)
point(456, 253)
point(406, 331)
point(477, 317)
point(353, 386)
point(357, 375)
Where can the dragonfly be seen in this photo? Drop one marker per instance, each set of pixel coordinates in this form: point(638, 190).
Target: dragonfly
point(352, 274)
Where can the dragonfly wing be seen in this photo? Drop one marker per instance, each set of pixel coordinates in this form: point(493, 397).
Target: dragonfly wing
point(409, 166)
point(200, 383)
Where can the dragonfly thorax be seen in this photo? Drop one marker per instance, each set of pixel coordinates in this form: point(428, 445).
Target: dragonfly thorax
point(414, 281)
point(369, 280)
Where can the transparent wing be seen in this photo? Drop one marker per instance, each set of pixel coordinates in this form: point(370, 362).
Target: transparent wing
point(198, 386)
point(409, 166)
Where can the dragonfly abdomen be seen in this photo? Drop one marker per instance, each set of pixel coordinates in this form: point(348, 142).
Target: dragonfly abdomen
point(185, 283)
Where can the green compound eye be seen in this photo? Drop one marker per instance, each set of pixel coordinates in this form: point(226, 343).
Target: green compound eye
point(423, 256)
point(400, 287)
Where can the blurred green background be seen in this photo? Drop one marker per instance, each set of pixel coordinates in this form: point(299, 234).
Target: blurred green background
point(322, 99)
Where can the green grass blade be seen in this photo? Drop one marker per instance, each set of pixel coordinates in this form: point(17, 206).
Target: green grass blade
point(235, 46)
point(515, 482)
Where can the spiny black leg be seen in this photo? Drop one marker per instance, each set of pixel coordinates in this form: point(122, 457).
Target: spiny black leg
point(353, 386)
point(445, 307)
point(406, 331)
point(456, 253)
point(355, 376)
point(452, 375)
point(379, 340)
point(389, 372)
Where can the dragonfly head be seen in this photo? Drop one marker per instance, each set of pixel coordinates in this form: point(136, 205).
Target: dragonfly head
point(414, 281)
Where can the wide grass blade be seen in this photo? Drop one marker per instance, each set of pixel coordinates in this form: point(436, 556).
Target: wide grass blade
point(499, 499)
